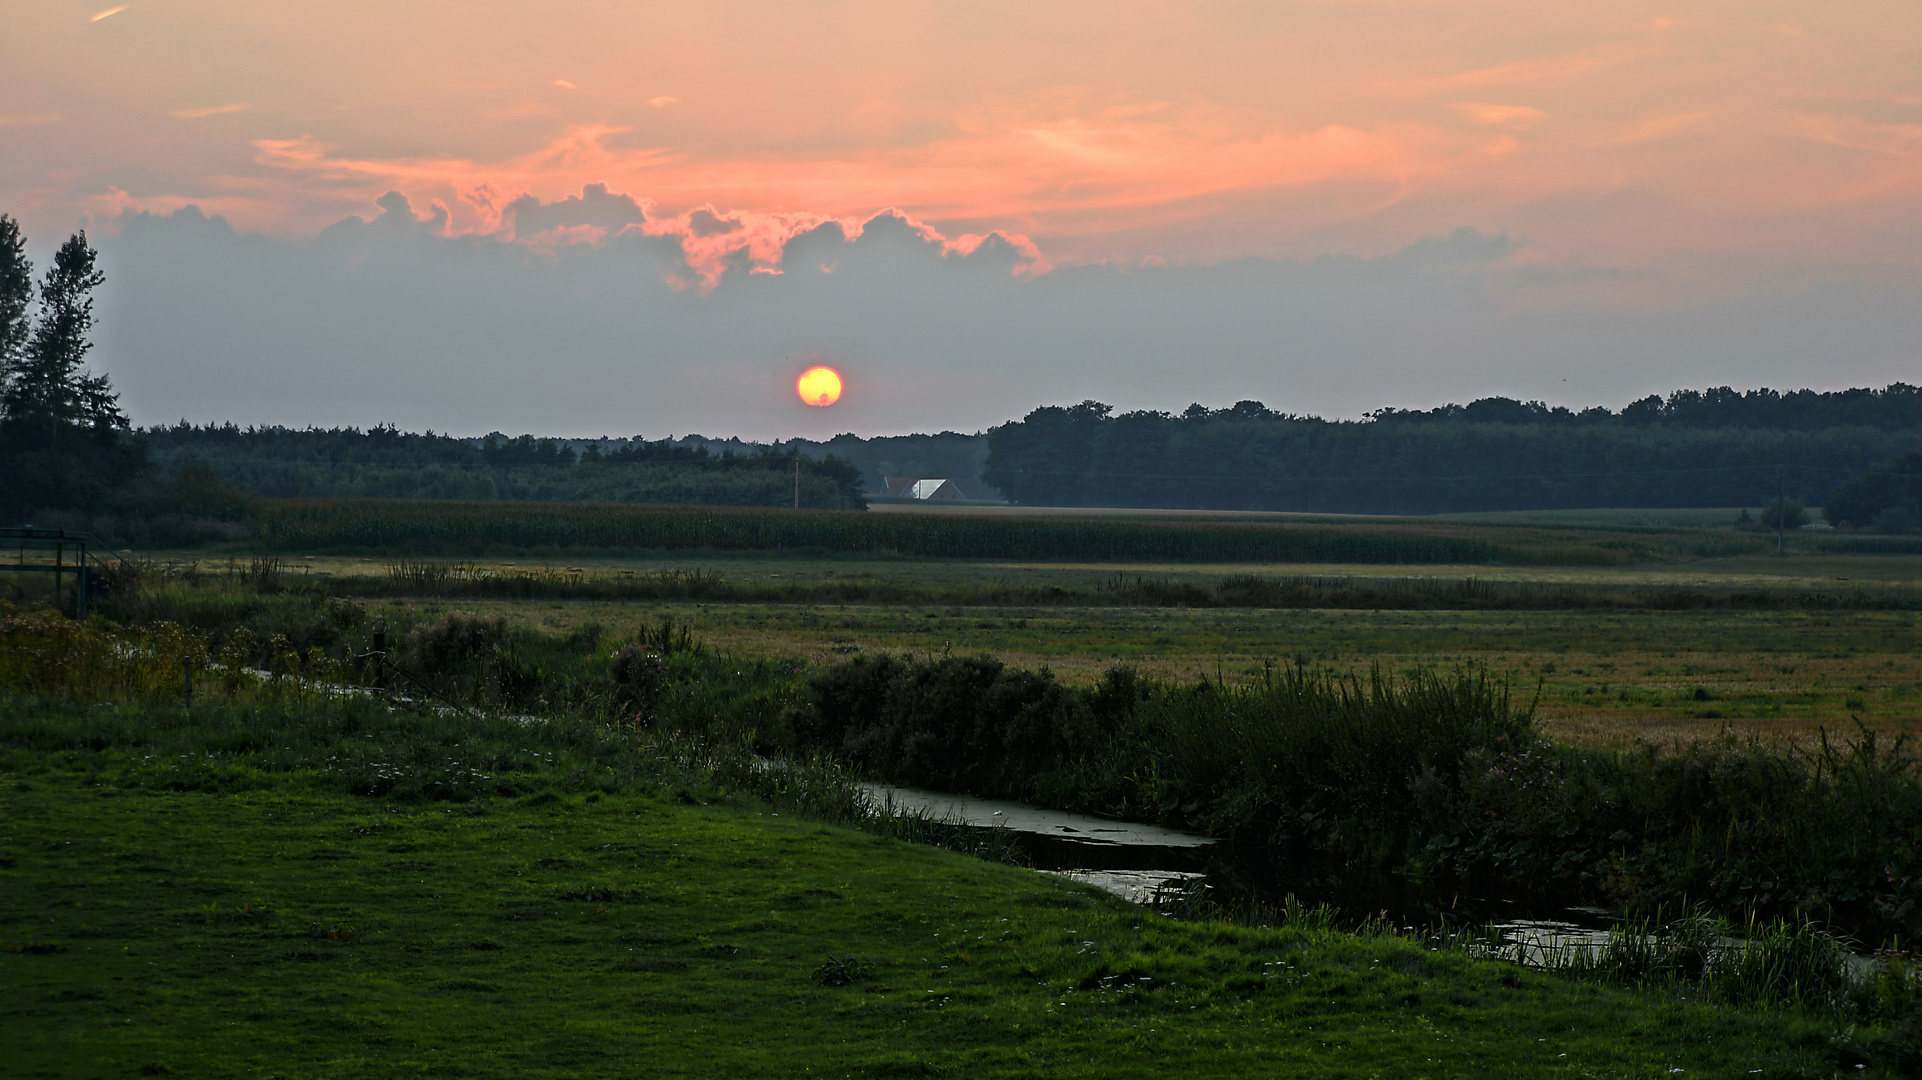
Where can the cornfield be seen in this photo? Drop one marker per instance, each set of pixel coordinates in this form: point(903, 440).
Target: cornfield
point(416, 527)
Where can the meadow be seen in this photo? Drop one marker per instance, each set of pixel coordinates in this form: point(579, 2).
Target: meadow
point(1613, 681)
point(209, 894)
point(1677, 684)
point(1652, 653)
point(1785, 685)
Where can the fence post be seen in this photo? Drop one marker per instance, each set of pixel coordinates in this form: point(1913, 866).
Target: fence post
point(379, 657)
point(80, 586)
point(187, 680)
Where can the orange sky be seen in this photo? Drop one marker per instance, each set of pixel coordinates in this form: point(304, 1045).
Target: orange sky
point(1628, 135)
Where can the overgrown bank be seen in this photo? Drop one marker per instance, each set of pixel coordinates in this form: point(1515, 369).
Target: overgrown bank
point(1425, 789)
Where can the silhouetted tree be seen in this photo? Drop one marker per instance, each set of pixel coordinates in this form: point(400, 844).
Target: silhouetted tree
point(48, 389)
point(1892, 487)
point(64, 443)
point(16, 296)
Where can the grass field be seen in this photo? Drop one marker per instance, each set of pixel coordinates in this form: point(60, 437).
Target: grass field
point(1605, 680)
point(1803, 571)
point(282, 928)
point(235, 911)
point(1606, 677)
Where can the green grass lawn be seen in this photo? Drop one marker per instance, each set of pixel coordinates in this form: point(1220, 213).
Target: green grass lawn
point(294, 931)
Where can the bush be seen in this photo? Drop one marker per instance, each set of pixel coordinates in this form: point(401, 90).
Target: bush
point(457, 637)
point(1784, 514)
point(953, 723)
point(1896, 520)
point(1897, 483)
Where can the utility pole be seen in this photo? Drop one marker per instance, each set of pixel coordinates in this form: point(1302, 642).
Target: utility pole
point(1781, 513)
point(797, 478)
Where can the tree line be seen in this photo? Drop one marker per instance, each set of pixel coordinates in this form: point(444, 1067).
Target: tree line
point(285, 461)
point(385, 462)
point(66, 446)
point(68, 455)
point(1692, 449)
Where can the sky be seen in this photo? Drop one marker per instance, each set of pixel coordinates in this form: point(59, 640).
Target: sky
point(631, 218)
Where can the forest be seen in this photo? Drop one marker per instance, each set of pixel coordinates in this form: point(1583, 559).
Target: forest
point(384, 462)
point(1718, 447)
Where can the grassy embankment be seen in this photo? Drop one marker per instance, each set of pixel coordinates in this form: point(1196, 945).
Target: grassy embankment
point(332, 889)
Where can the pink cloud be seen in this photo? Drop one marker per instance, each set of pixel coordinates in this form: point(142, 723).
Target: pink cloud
point(1516, 117)
point(1011, 167)
point(1536, 71)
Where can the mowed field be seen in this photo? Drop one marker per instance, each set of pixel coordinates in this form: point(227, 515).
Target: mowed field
point(1601, 677)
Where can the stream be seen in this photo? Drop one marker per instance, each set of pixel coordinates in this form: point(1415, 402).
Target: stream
point(1129, 860)
point(1136, 861)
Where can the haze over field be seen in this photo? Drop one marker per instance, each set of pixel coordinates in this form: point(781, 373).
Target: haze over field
point(625, 218)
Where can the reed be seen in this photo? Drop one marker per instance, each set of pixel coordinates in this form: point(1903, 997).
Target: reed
point(1407, 790)
point(1778, 962)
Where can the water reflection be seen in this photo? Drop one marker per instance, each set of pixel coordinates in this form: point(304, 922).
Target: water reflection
point(1127, 859)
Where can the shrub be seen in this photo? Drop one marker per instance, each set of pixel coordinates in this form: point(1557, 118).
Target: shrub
point(1784, 514)
point(457, 637)
point(1896, 520)
point(1895, 483)
point(955, 722)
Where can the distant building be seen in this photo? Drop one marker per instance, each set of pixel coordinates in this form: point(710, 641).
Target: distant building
point(935, 490)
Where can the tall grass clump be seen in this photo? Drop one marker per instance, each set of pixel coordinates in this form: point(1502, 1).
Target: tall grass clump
point(1778, 962)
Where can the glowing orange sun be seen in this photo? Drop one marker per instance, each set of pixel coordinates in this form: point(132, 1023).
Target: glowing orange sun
point(819, 386)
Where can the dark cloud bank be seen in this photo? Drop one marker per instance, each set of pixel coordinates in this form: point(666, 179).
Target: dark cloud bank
point(386, 320)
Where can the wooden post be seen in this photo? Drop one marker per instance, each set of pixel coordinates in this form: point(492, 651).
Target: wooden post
point(187, 681)
point(797, 478)
point(80, 586)
point(380, 659)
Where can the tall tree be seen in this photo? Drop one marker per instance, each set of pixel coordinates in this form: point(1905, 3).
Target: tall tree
point(16, 296)
point(48, 389)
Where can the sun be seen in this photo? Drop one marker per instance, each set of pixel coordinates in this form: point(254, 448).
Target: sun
point(819, 386)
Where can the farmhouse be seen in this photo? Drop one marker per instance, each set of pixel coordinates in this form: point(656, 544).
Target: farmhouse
point(935, 490)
